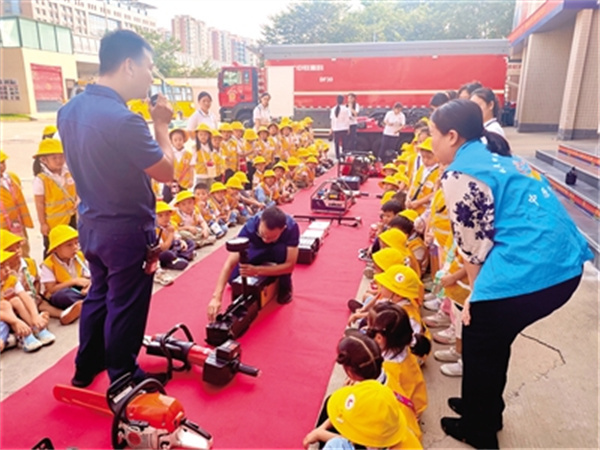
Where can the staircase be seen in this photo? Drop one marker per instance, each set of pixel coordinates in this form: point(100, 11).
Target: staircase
point(582, 199)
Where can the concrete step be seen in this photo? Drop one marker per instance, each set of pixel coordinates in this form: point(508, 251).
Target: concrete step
point(586, 172)
point(587, 152)
point(580, 201)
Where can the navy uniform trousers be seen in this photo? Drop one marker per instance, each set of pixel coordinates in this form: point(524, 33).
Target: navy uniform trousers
point(114, 313)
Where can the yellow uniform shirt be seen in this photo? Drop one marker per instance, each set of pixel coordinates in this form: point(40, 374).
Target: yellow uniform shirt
point(406, 378)
point(184, 170)
point(60, 201)
point(422, 185)
point(61, 274)
point(13, 207)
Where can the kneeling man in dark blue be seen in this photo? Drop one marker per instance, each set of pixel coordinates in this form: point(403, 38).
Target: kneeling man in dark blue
point(274, 237)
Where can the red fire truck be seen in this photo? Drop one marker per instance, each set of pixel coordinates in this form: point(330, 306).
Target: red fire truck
point(304, 80)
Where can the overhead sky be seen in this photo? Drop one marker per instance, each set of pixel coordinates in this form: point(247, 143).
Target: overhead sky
point(241, 17)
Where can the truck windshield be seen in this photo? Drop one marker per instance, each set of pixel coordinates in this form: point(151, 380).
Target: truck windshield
point(232, 78)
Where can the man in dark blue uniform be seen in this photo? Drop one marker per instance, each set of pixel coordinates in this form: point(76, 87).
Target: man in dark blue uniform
point(112, 155)
point(274, 237)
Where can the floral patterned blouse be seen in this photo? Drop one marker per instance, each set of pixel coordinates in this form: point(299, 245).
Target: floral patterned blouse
point(470, 206)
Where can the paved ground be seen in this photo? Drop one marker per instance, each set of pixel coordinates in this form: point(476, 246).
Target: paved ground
point(552, 392)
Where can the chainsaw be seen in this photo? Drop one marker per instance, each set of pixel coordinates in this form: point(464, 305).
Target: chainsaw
point(144, 416)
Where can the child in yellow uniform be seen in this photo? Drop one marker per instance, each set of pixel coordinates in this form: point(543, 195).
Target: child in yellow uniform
point(390, 326)
point(285, 187)
point(288, 148)
point(64, 274)
point(259, 163)
point(176, 252)
point(53, 189)
point(247, 196)
point(229, 150)
point(395, 238)
point(405, 223)
point(311, 165)
point(206, 157)
point(389, 184)
point(239, 212)
point(202, 195)
point(250, 149)
point(18, 310)
point(189, 222)
point(216, 143)
point(423, 184)
point(14, 213)
point(184, 165)
point(275, 136)
point(389, 170)
point(266, 145)
point(218, 206)
point(266, 192)
point(403, 182)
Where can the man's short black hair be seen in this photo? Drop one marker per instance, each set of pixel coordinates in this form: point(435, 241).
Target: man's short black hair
point(119, 45)
point(273, 218)
point(392, 206)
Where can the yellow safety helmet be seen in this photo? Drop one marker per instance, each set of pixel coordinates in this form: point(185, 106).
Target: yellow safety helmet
point(410, 214)
point(390, 166)
point(217, 187)
point(394, 238)
point(59, 235)
point(3, 156)
point(281, 165)
point(49, 147)
point(401, 280)
point(204, 127)
point(8, 239)
point(5, 256)
point(216, 133)
point(49, 130)
point(425, 145)
point(263, 129)
point(183, 195)
point(186, 135)
point(226, 127)
point(269, 173)
point(259, 160)
point(388, 257)
point(234, 183)
point(162, 207)
point(250, 134)
point(241, 176)
point(237, 126)
point(293, 161)
point(389, 180)
point(312, 160)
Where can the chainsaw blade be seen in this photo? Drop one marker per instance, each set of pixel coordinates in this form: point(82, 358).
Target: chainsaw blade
point(82, 397)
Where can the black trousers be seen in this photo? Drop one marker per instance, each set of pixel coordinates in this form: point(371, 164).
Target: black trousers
point(352, 138)
point(486, 353)
point(339, 139)
point(389, 144)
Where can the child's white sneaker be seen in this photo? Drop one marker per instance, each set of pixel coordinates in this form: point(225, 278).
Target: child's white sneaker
point(72, 313)
point(45, 337)
point(163, 278)
point(448, 355)
point(30, 344)
point(447, 336)
point(453, 369)
point(438, 320)
point(433, 304)
point(11, 342)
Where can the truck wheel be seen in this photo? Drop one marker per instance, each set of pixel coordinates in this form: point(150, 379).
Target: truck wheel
point(246, 118)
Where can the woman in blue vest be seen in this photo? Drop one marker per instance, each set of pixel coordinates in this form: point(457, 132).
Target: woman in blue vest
point(523, 254)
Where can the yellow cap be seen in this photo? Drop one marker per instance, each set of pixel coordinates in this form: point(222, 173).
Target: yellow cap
point(285, 123)
point(312, 160)
point(281, 165)
point(303, 153)
point(215, 133)
point(393, 238)
point(426, 145)
point(3, 156)
point(59, 235)
point(217, 187)
point(405, 157)
point(269, 173)
point(259, 160)
point(390, 166)
point(250, 134)
point(234, 183)
point(389, 180)
point(400, 177)
point(425, 119)
point(407, 147)
point(8, 239)
point(204, 127)
point(237, 126)
point(162, 207)
point(410, 214)
point(186, 135)
point(49, 147)
point(49, 130)
point(263, 128)
point(226, 127)
point(387, 196)
point(368, 414)
point(388, 257)
point(5, 256)
point(401, 280)
point(312, 150)
point(241, 176)
point(308, 120)
point(183, 195)
point(293, 161)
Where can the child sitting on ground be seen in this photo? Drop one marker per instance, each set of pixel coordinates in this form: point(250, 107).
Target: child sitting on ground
point(389, 184)
point(18, 309)
point(259, 169)
point(266, 192)
point(389, 210)
point(176, 253)
point(201, 195)
point(64, 274)
point(285, 187)
point(218, 206)
point(239, 212)
point(189, 222)
point(246, 197)
point(405, 223)
point(397, 239)
point(361, 359)
point(389, 325)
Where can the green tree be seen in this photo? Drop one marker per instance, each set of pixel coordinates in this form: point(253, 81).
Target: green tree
point(164, 53)
point(206, 70)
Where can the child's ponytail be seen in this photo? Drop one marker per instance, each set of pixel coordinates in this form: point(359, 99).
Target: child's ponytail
point(360, 355)
point(496, 143)
point(420, 346)
point(37, 167)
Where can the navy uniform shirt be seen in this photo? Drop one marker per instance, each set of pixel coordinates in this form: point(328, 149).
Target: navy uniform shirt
point(107, 148)
point(289, 238)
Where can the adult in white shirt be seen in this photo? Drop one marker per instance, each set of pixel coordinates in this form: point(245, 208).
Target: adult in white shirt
point(393, 122)
point(203, 114)
point(353, 108)
point(488, 102)
point(340, 124)
point(261, 116)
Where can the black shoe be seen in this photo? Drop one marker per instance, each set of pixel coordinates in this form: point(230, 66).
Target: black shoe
point(453, 427)
point(455, 404)
point(353, 305)
point(83, 379)
point(284, 298)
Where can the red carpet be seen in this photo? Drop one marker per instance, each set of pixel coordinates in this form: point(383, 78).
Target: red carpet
point(293, 345)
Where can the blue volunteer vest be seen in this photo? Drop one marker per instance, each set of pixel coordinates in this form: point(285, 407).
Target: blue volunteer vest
point(536, 244)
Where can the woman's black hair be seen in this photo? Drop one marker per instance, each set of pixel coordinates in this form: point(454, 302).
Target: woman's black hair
point(452, 94)
point(397, 105)
point(393, 323)
point(265, 94)
point(391, 206)
point(470, 87)
point(353, 96)
point(209, 142)
point(340, 101)
point(488, 96)
point(466, 118)
point(404, 224)
point(439, 99)
point(421, 124)
point(360, 354)
point(203, 94)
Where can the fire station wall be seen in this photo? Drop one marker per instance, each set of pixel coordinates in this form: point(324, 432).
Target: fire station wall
point(544, 71)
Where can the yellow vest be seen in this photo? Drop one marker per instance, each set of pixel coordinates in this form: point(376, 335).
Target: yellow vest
point(13, 207)
point(7, 290)
point(271, 193)
point(205, 159)
point(439, 222)
point(61, 274)
point(406, 378)
point(184, 171)
point(60, 202)
point(419, 189)
point(415, 244)
point(229, 151)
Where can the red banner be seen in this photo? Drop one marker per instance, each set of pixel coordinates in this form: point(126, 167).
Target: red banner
point(47, 82)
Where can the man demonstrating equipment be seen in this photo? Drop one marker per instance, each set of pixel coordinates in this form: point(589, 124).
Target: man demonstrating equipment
point(112, 155)
point(274, 238)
